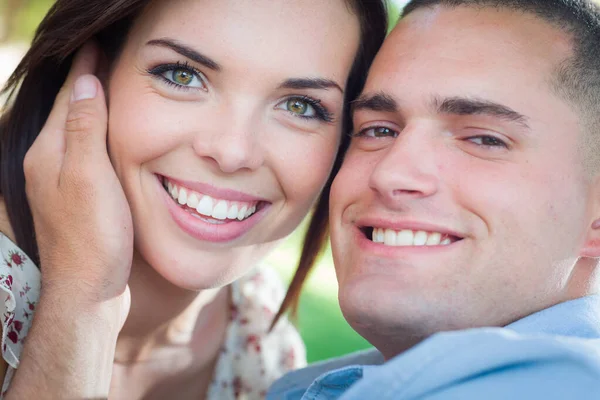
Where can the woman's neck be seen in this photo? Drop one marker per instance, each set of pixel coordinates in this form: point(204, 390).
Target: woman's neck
point(171, 339)
point(164, 316)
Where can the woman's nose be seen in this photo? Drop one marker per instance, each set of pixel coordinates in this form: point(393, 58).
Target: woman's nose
point(233, 143)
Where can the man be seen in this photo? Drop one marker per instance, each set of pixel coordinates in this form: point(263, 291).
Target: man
point(466, 217)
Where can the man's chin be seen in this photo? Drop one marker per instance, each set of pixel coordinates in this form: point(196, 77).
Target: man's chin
point(391, 318)
point(382, 329)
point(370, 308)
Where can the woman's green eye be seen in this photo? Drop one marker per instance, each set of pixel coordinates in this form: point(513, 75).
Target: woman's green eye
point(305, 108)
point(182, 77)
point(298, 106)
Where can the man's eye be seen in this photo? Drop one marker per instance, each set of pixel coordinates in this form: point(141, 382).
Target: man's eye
point(487, 141)
point(377, 132)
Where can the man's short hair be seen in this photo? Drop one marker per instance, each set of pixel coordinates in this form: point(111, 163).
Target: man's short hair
point(576, 79)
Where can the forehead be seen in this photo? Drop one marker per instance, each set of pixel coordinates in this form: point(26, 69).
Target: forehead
point(496, 54)
point(264, 33)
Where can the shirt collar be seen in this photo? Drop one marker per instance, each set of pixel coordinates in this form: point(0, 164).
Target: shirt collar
point(576, 318)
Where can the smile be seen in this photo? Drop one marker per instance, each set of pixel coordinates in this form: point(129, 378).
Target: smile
point(218, 215)
point(206, 206)
point(407, 237)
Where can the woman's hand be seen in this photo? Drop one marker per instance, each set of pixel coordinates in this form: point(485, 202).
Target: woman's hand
point(82, 219)
point(84, 233)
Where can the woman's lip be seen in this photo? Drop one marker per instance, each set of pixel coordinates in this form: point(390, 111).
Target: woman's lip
point(205, 231)
point(215, 192)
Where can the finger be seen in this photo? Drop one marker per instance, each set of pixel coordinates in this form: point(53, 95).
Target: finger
point(44, 159)
point(85, 62)
point(85, 127)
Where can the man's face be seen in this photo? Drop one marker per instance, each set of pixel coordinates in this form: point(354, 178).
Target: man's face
point(466, 173)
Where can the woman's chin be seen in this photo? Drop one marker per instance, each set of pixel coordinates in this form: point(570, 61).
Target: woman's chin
point(194, 271)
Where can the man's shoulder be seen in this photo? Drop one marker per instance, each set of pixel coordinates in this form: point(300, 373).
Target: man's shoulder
point(492, 363)
point(501, 345)
point(489, 362)
point(299, 380)
point(491, 347)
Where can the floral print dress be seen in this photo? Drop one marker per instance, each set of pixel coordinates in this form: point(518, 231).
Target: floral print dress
point(250, 360)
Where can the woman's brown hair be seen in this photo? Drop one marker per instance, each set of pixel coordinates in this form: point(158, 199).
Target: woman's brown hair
point(39, 76)
point(373, 22)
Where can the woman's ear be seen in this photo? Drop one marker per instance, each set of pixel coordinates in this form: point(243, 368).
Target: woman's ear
point(103, 71)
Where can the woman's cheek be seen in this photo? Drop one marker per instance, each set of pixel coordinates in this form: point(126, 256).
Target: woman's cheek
point(143, 130)
point(305, 167)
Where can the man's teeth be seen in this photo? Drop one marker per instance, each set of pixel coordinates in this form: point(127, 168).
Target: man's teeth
point(207, 206)
point(406, 237)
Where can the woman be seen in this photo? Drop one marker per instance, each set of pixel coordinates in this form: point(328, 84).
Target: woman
point(225, 120)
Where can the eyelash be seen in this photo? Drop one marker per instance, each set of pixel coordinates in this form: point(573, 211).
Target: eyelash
point(362, 132)
point(499, 143)
point(159, 70)
point(321, 112)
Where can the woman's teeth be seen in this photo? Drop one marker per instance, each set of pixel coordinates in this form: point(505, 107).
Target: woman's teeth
point(407, 237)
point(209, 207)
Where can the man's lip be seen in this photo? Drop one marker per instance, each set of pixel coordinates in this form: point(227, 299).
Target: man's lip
point(215, 192)
point(372, 248)
point(413, 225)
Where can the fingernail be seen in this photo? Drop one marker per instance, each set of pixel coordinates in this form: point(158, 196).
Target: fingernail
point(85, 88)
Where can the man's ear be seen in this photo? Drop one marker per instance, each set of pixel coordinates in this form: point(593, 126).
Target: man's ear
point(591, 246)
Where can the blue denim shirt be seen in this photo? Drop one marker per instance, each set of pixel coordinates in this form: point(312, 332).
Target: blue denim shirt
point(552, 354)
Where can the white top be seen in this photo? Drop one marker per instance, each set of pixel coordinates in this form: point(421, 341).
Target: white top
point(250, 360)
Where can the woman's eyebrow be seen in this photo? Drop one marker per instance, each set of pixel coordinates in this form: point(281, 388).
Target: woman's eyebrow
point(293, 83)
point(310, 83)
point(186, 51)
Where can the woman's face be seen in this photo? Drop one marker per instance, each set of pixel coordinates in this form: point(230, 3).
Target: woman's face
point(225, 120)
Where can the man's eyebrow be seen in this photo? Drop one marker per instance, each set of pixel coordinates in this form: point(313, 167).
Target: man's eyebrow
point(375, 102)
point(475, 106)
point(310, 83)
point(186, 51)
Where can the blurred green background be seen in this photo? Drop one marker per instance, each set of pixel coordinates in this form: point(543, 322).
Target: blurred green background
point(320, 320)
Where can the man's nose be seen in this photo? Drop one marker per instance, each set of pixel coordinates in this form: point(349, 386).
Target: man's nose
point(407, 170)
